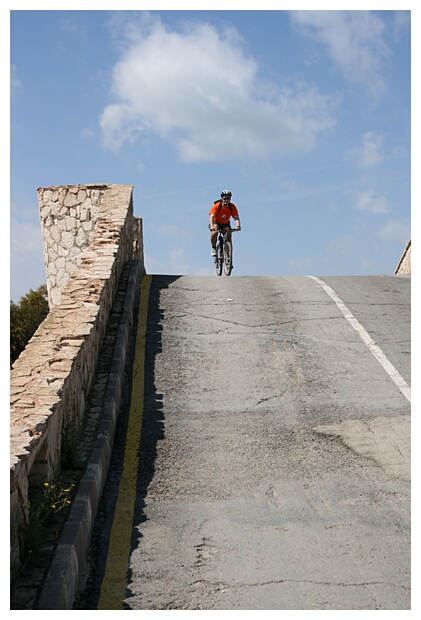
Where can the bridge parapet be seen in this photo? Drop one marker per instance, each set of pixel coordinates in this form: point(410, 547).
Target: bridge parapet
point(404, 265)
point(51, 379)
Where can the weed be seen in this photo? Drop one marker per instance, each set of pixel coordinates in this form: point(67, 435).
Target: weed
point(55, 498)
point(47, 501)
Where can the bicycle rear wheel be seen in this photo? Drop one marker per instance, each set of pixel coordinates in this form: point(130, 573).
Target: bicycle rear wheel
point(228, 258)
point(219, 259)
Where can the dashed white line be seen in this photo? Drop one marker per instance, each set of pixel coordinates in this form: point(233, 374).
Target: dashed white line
point(367, 339)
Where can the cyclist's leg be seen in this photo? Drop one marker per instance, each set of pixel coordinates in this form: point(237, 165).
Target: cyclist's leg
point(219, 259)
point(213, 239)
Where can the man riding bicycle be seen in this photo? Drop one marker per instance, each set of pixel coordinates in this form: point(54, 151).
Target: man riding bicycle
point(220, 216)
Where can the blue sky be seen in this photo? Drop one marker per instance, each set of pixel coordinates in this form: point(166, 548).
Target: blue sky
point(304, 115)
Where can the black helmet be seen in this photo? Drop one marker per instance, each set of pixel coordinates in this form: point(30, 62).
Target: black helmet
point(226, 192)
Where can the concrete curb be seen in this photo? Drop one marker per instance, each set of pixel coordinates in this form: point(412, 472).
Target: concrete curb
point(62, 581)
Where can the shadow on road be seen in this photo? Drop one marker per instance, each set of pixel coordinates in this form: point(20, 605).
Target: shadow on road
point(152, 431)
point(153, 408)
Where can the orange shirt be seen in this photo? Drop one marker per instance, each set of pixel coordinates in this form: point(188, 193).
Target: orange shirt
point(223, 214)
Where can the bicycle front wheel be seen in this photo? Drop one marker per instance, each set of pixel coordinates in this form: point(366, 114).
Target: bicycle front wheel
point(219, 259)
point(227, 258)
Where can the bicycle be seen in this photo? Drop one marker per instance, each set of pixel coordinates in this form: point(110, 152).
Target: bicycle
point(223, 256)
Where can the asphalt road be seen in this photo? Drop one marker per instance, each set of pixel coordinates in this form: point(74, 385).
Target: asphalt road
point(273, 471)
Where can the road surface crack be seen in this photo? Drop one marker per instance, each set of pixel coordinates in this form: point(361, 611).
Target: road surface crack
point(225, 586)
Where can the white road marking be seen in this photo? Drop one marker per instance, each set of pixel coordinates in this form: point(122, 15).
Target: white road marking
point(367, 339)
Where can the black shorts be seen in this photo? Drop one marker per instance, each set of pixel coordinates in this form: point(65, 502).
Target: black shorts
point(221, 226)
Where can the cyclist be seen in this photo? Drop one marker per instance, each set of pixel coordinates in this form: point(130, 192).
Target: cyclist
point(220, 216)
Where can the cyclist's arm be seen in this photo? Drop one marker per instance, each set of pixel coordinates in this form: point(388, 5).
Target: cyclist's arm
point(237, 222)
point(212, 223)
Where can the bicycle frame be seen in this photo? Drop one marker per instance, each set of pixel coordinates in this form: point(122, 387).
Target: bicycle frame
point(223, 258)
point(222, 234)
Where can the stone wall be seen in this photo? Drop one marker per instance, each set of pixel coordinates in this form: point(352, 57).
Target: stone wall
point(404, 265)
point(68, 217)
point(89, 234)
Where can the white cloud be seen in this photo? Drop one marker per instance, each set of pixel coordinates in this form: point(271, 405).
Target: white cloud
point(87, 132)
point(302, 265)
point(402, 23)
point(354, 40)
point(199, 90)
point(394, 230)
point(369, 154)
point(344, 245)
point(169, 230)
point(15, 83)
point(371, 151)
point(368, 201)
